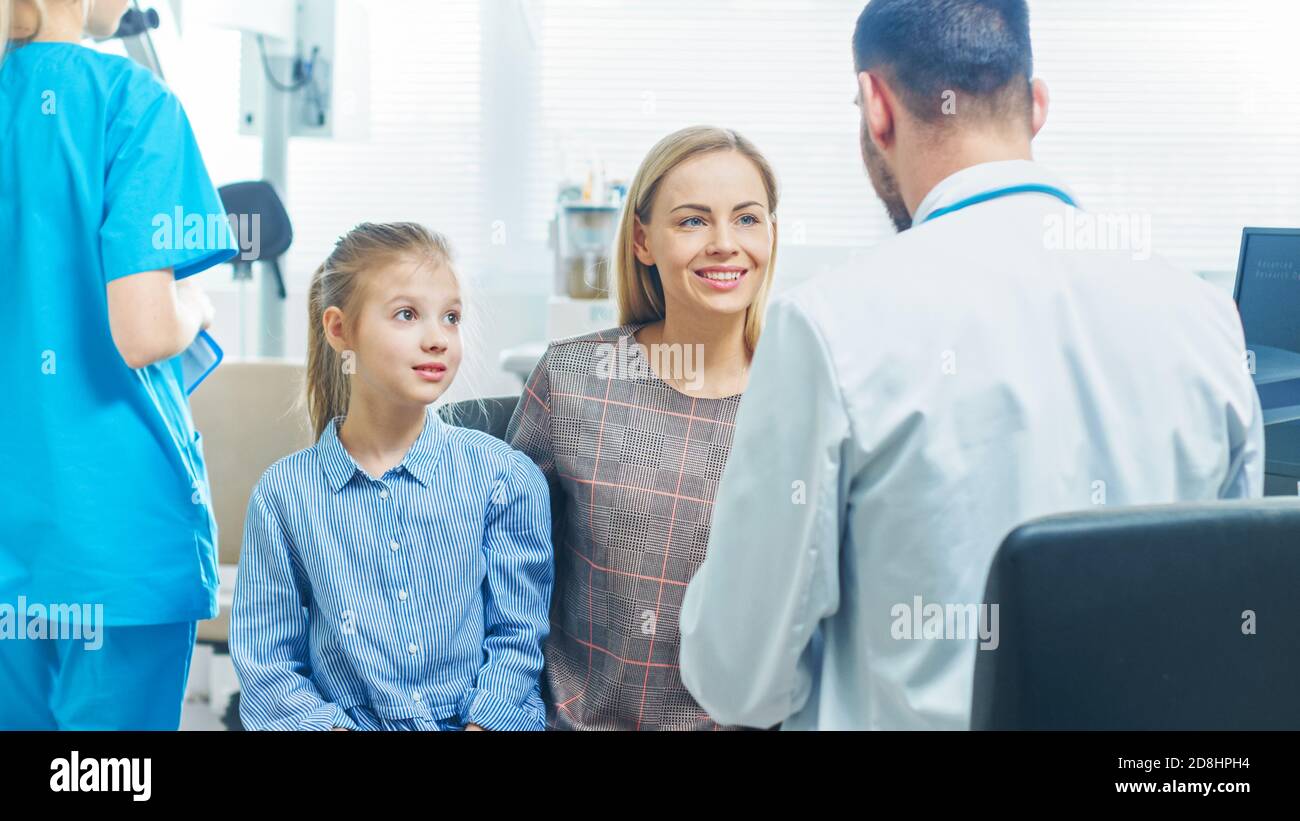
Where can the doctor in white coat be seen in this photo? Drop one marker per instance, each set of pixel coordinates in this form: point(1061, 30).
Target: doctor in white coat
point(989, 365)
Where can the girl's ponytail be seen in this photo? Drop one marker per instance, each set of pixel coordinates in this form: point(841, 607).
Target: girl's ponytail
point(327, 386)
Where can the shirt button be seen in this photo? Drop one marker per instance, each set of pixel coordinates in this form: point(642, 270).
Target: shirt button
point(383, 494)
point(401, 595)
point(415, 695)
point(412, 648)
point(394, 545)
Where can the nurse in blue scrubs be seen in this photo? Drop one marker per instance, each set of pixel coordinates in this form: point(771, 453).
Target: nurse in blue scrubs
point(107, 542)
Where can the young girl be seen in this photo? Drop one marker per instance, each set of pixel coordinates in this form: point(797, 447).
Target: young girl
point(397, 574)
point(633, 426)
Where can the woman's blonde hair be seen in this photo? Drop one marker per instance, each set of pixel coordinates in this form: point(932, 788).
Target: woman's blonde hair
point(640, 291)
point(9, 16)
point(337, 283)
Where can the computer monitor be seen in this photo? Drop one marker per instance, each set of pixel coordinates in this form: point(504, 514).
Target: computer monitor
point(1268, 295)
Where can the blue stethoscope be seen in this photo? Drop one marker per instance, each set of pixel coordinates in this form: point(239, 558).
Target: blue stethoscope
point(997, 193)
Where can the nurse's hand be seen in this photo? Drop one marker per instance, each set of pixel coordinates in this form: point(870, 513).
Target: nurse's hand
point(153, 317)
point(190, 294)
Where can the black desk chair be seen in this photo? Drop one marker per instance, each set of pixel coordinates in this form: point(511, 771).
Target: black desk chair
point(275, 231)
point(1132, 619)
point(491, 415)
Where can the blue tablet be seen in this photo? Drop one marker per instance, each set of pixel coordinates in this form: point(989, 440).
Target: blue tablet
point(198, 360)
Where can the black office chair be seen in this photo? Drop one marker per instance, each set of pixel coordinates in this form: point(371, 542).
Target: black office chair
point(275, 231)
point(1132, 618)
point(491, 415)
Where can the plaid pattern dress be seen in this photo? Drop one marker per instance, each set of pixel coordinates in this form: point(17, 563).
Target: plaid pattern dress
point(633, 466)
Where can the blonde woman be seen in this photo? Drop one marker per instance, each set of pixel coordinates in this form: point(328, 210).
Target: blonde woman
point(107, 542)
point(632, 427)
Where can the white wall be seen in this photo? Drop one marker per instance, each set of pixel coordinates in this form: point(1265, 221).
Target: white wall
point(1183, 110)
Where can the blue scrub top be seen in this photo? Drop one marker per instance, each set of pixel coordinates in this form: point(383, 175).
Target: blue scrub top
point(103, 493)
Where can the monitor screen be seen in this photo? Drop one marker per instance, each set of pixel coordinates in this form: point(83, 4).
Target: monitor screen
point(1268, 296)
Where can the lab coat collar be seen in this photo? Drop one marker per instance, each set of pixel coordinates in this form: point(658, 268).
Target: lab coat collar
point(339, 466)
point(979, 179)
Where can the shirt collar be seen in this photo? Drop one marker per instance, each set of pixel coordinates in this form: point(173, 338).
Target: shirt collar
point(982, 178)
point(339, 466)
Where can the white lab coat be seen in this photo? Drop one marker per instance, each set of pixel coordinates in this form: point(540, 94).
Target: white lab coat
point(902, 417)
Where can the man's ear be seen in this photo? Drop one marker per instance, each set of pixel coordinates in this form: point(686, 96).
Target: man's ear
point(332, 326)
point(639, 246)
point(878, 107)
point(1039, 90)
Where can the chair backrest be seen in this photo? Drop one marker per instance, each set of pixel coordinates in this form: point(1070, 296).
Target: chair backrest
point(491, 415)
point(248, 416)
point(1171, 617)
point(258, 197)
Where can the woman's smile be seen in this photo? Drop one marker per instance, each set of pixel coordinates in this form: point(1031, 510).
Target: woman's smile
point(722, 277)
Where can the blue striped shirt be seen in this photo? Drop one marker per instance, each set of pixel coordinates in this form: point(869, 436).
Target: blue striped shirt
point(417, 600)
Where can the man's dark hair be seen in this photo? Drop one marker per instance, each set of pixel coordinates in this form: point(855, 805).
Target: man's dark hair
point(977, 49)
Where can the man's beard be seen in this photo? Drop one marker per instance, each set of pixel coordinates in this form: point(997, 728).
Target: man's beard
point(883, 180)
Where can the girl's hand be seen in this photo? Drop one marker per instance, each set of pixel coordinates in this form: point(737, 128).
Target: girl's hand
point(469, 727)
point(338, 729)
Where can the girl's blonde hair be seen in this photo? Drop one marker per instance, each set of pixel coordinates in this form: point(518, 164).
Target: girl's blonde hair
point(640, 291)
point(337, 283)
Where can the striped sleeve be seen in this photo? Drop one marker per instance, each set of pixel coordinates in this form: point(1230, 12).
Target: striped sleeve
point(269, 633)
point(516, 597)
